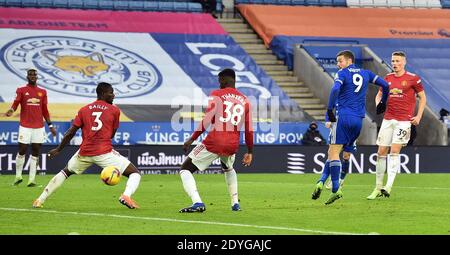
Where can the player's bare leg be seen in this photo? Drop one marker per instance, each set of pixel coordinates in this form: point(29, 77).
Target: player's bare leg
point(392, 169)
point(134, 178)
point(20, 161)
point(52, 185)
point(34, 161)
point(190, 187)
point(380, 170)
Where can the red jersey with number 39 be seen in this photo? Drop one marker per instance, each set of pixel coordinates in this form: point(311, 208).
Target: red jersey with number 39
point(97, 121)
point(228, 110)
point(402, 96)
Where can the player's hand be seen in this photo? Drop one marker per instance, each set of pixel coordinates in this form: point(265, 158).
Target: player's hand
point(415, 120)
point(381, 107)
point(328, 124)
point(247, 160)
point(187, 145)
point(331, 116)
point(9, 113)
point(53, 131)
point(53, 153)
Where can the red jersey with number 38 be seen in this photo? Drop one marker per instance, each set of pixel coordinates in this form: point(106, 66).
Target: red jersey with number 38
point(97, 121)
point(227, 111)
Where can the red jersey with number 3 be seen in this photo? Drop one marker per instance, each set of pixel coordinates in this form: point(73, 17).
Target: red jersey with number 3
point(97, 121)
point(402, 96)
point(228, 110)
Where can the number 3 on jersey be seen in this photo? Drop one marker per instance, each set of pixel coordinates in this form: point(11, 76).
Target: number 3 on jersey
point(357, 81)
point(97, 120)
point(233, 113)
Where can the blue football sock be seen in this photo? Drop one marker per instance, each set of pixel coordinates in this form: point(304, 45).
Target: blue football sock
point(344, 170)
point(326, 172)
point(335, 169)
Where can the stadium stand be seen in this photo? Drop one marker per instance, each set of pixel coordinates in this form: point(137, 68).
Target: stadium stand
point(395, 3)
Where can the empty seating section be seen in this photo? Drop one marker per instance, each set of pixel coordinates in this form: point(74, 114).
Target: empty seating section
point(295, 2)
point(125, 5)
point(397, 3)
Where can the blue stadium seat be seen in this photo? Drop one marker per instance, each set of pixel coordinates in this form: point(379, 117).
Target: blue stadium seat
point(45, 3)
point(121, 5)
point(14, 3)
point(195, 7)
point(180, 7)
point(313, 2)
point(106, 5)
point(445, 3)
point(284, 2)
point(150, 6)
point(29, 3)
point(165, 6)
point(257, 1)
point(326, 2)
point(136, 5)
point(241, 1)
point(339, 2)
point(298, 2)
point(61, 3)
point(91, 4)
point(76, 4)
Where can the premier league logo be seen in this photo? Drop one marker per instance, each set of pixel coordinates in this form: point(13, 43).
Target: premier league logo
point(75, 65)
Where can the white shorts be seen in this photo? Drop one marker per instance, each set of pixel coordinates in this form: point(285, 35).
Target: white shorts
point(202, 158)
point(394, 132)
point(78, 164)
point(31, 135)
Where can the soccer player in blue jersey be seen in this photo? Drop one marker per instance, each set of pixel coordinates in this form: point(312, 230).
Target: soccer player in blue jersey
point(348, 96)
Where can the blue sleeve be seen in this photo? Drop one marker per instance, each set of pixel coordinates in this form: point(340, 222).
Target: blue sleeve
point(338, 81)
point(375, 79)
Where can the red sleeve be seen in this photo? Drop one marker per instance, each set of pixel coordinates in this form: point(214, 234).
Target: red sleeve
point(78, 121)
point(117, 119)
point(17, 99)
point(418, 87)
point(45, 112)
point(248, 127)
point(209, 115)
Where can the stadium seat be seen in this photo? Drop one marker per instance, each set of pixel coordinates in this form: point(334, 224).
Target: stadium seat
point(407, 3)
point(445, 3)
point(284, 2)
point(394, 3)
point(434, 4)
point(150, 6)
point(180, 7)
point(339, 3)
point(195, 7)
point(14, 3)
point(28, 3)
point(366, 3)
point(136, 5)
point(76, 4)
point(257, 1)
point(353, 3)
point(165, 6)
point(61, 3)
point(121, 5)
point(298, 2)
point(45, 3)
point(326, 2)
point(92, 4)
point(313, 2)
point(380, 3)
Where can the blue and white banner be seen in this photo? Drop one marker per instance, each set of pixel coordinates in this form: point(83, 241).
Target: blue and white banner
point(132, 133)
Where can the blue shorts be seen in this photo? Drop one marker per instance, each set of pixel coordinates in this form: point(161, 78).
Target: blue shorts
point(345, 131)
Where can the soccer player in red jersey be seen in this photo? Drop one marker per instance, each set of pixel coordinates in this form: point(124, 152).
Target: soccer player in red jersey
point(227, 111)
point(395, 130)
point(98, 122)
point(33, 110)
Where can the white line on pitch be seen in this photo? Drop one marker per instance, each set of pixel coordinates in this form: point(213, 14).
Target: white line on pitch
point(182, 221)
point(360, 185)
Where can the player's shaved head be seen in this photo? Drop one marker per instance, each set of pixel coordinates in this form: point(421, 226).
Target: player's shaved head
point(346, 54)
point(227, 78)
point(105, 92)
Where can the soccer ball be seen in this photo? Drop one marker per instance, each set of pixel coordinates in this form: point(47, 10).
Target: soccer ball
point(110, 175)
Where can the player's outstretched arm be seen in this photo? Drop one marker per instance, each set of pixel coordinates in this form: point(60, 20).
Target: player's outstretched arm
point(67, 137)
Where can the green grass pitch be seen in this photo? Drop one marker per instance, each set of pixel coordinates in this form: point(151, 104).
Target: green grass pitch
point(271, 204)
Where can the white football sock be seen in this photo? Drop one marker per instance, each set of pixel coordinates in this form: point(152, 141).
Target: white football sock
point(380, 170)
point(33, 168)
point(190, 186)
point(54, 184)
point(132, 184)
point(393, 169)
point(231, 180)
point(20, 160)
